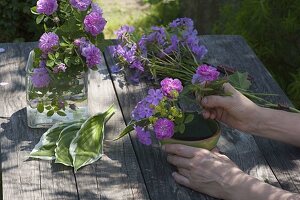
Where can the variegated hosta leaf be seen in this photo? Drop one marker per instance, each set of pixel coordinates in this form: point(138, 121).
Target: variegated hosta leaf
point(87, 146)
point(63, 143)
point(45, 148)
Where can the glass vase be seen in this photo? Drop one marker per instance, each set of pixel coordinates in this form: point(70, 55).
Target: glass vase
point(63, 100)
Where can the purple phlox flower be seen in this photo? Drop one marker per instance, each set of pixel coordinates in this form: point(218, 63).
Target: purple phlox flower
point(121, 33)
point(115, 69)
point(205, 73)
point(158, 35)
point(92, 55)
point(96, 8)
point(129, 55)
point(42, 63)
point(94, 23)
point(142, 45)
point(47, 7)
point(185, 23)
point(173, 46)
point(199, 51)
point(48, 41)
point(137, 64)
point(143, 136)
point(40, 78)
point(118, 51)
point(81, 43)
point(142, 110)
point(154, 96)
point(169, 85)
point(81, 5)
point(164, 128)
point(60, 68)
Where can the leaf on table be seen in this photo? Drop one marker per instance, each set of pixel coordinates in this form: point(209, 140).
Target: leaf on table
point(63, 143)
point(239, 80)
point(130, 127)
point(44, 149)
point(87, 146)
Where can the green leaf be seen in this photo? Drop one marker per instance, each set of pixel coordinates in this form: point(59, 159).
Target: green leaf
point(189, 118)
point(130, 127)
point(33, 11)
point(51, 56)
point(50, 113)
point(66, 136)
point(48, 107)
point(181, 128)
point(40, 107)
point(87, 146)
point(50, 63)
point(39, 19)
point(61, 113)
point(44, 149)
point(239, 80)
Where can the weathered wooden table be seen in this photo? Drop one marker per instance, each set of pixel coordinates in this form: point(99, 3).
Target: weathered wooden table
point(128, 170)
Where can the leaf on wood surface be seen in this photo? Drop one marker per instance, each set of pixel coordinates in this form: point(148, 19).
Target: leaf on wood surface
point(239, 80)
point(87, 146)
point(66, 136)
point(44, 149)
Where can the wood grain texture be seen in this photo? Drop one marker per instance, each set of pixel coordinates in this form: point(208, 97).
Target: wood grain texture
point(253, 155)
point(23, 178)
point(117, 175)
point(283, 159)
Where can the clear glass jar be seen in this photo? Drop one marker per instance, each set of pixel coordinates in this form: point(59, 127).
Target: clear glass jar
point(62, 101)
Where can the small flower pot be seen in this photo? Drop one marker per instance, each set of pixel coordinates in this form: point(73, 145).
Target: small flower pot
point(200, 133)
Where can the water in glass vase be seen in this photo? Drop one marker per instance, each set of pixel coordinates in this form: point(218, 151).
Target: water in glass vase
point(63, 99)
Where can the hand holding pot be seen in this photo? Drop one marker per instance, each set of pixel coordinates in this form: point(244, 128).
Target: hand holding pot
point(235, 110)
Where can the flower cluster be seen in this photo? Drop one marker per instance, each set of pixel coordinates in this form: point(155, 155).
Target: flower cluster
point(163, 52)
point(161, 110)
point(67, 49)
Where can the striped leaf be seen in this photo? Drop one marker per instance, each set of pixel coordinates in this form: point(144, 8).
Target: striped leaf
point(63, 143)
point(87, 146)
point(44, 149)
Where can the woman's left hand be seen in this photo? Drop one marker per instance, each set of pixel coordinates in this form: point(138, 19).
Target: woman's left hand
point(208, 172)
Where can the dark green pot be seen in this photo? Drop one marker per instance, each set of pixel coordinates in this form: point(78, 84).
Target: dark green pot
point(200, 133)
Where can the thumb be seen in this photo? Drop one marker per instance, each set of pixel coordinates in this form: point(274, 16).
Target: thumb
point(215, 101)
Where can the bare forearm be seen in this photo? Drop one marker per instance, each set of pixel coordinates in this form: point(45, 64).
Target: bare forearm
point(249, 188)
point(279, 125)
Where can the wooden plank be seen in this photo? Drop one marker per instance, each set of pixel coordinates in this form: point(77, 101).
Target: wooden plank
point(283, 159)
point(117, 175)
point(241, 148)
point(23, 178)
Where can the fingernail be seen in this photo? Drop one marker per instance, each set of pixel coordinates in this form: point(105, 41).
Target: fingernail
point(163, 147)
point(204, 100)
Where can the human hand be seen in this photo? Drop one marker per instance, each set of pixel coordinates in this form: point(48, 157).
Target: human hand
point(208, 172)
point(235, 110)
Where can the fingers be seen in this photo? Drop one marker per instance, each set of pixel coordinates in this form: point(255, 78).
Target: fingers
point(180, 150)
point(184, 172)
point(179, 162)
point(181, 179)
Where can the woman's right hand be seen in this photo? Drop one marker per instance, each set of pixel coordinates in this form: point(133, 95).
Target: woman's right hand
point(235, 110)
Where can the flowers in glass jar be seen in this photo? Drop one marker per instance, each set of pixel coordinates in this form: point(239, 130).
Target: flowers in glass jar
point(68, 48)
